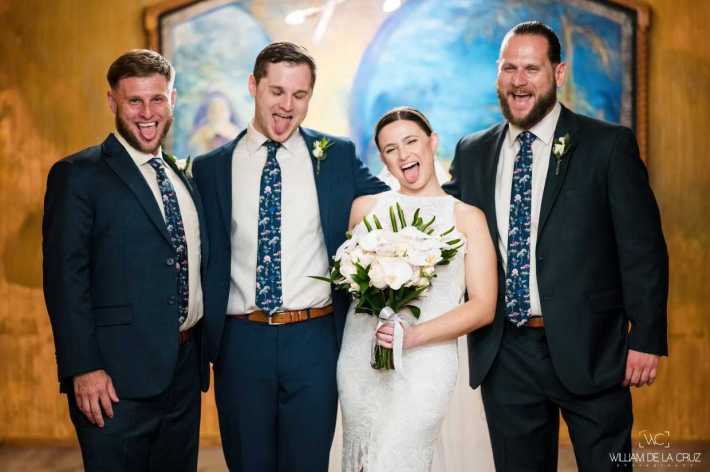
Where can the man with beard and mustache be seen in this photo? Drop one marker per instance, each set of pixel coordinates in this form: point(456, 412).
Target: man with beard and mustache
point(277, 201)
point(583, 268)
point(122, 282)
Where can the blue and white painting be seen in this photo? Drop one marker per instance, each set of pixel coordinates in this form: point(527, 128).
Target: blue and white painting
point(439, 56)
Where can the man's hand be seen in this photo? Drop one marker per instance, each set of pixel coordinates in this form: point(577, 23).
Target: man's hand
point(94, 391)
point(640, 369)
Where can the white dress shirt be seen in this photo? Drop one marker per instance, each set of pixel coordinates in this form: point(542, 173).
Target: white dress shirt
point(303, 251)
point(544, 132)
point(190, 223)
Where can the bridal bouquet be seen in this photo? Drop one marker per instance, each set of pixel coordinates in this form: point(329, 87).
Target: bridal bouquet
point(386, 269)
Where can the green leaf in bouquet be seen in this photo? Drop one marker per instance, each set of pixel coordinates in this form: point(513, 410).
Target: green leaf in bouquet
point(415, 218)
point(322, 279)
point(390, 298)
point(400, 213)
point(446, 232)
point(453, 242)
point(367, 224)
point(426, 226)
point(393, 220)
point(378, 225)
point(377, 298)
point(416, 312)
point(363, 309)
point(411, 294)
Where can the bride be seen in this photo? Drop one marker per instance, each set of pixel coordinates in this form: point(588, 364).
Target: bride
point(392, 418)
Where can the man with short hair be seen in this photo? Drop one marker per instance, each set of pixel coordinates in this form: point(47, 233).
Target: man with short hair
point(583, 271)
point(122, 257)
point(277, 201)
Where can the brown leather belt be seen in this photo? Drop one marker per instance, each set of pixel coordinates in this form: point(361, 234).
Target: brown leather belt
point(184, 336)
point(535, 322)
point(284, 317)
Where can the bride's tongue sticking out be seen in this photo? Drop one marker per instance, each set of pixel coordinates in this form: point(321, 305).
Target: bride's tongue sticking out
point(411, 172)
point(281, 124)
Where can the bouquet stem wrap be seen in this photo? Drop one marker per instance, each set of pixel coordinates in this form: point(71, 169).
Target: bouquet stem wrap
point(382, 357)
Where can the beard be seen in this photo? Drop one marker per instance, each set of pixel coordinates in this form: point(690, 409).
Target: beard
point(541, 108)
point(124, 130)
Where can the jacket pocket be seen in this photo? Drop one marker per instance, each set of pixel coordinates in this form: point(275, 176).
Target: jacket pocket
point(606, 300)
point(112, 315)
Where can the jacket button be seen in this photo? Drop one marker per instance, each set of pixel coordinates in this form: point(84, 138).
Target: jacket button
point(170, 261)
point(181, 319)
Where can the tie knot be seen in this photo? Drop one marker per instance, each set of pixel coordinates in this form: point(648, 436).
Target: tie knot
point(156, 163)
point(526, 138)
point(271, 146)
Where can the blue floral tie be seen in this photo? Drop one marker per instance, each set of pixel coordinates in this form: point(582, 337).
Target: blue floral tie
point(517, 282)
point(268, 253)
point(176, 231)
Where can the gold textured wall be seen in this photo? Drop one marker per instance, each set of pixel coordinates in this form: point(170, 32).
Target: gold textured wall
point(53, 57)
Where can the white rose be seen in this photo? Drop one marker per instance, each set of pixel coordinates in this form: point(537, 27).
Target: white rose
point(370, 241)
point(317, 152)
point(558, 148)
point(361, 257)
point(347, 269)
point(377, 275)
point(348, 246)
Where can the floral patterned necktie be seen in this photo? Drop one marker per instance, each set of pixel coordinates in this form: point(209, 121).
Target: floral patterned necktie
point(517, 282)
point(176, 231)
point(268, 253)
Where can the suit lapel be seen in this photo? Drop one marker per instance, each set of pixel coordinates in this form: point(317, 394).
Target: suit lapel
point(223, 184)
point(121, 163)
point(321, 179)
point(553, 182)
point(170, 160)
point(490, 170)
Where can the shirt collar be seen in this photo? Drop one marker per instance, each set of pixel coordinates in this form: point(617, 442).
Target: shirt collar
point(255, 139)
point(544, 130)
point(140, 158)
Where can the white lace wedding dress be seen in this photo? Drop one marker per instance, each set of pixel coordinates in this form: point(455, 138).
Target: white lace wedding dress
point(392, 419)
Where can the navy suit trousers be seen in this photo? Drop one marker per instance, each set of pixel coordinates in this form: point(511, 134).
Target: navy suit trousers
point(154, 434)
point(276, 394)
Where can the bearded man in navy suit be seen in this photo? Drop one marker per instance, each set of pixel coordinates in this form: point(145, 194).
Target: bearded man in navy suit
point(583, 268)
point(122, 282)
point(277, 201)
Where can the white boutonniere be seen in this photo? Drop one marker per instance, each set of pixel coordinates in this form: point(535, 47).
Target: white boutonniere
point(559, 148)
point(183, 166)
point(319, 151)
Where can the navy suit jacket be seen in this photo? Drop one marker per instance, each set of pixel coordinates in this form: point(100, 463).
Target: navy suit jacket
point(109, 284)
point(602, 263)
point(341, 179)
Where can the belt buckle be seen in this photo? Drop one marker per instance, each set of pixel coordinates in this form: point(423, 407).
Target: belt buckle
point(271, 322)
